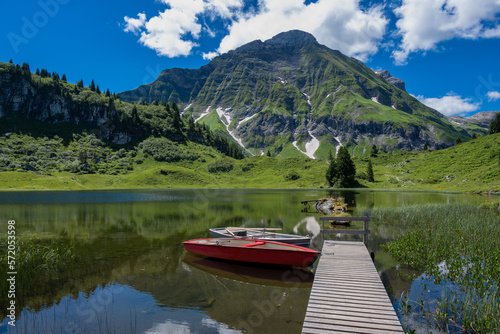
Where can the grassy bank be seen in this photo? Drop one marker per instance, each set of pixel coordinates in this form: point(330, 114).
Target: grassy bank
point(457, 247)
point(468, 167)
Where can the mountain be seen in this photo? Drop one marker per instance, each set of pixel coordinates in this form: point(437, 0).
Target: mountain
point(480, 119)
point(44, 104)
point(291, 95)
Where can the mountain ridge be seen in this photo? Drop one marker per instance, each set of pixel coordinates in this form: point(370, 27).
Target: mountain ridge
point(289, 91)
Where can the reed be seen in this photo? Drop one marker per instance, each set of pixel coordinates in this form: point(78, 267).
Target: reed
point(457, 243)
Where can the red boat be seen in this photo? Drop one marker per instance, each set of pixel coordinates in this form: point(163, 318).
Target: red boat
point(251, 250)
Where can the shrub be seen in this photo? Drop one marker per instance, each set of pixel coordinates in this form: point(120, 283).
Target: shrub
point(162, 149)
point(220, 166)
point(291, 176)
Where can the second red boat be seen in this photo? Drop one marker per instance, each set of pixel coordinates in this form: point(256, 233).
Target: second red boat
point(251, 250)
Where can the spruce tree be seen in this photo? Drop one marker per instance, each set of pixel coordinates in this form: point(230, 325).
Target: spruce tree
point(63, 78)
point(79, 83)
point(374, 151)
point(346, 168)
point(97, 90)
point(369, 172)
point(92, 86)
point(332, 173)
point(495, 125)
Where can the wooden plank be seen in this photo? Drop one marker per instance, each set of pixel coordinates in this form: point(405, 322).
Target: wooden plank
point(346, 219)
point(348, 295)
point(347, 231)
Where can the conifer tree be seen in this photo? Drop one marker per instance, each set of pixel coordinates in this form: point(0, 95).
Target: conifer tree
point(79, 83)
point(97, 90)
point(374, 151)
point(345, 167)
point(495, 125)
point(369, 172)
point(108, 93)
point(92, 86)
point(63, 78)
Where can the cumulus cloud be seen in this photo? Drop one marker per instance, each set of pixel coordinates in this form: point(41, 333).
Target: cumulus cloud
point(174, 31)
point(493, 96)
point(134, 25)
point(423, 24)
point(210, 55)
point(339, 24)
point(450, 104)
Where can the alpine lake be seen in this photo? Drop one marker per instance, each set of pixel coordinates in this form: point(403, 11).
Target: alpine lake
point(113, 261)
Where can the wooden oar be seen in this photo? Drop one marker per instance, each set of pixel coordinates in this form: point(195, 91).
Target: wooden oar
point(229, 231)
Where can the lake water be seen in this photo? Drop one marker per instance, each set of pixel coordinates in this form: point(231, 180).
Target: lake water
point(134, 275)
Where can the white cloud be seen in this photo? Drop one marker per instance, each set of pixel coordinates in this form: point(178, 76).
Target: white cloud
point(423, 24)
point(173, 32)
point(339, 24)
point(210, 55)
point(493, 96)
point(450, 104)
point(134, 25)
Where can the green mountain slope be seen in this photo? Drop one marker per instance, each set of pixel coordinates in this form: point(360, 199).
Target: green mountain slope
point(292, 87)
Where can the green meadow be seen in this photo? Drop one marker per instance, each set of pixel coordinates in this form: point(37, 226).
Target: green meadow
point(472, 166)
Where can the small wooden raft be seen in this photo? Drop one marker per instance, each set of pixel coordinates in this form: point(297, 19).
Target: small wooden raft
point(347, 295)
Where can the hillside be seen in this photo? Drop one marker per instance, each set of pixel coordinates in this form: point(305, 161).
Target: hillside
point(472, 166)
point(290, 95)
point(45, 104)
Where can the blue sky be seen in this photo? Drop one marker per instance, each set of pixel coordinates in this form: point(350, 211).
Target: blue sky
point(446, 51)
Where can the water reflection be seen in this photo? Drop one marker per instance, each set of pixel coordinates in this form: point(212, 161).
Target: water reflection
point(131, 273)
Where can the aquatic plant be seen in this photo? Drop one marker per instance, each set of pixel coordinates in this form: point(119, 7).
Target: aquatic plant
point(456, 244)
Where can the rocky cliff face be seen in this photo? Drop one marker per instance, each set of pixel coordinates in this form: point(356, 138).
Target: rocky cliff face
point(395, 81)
point(23, 97)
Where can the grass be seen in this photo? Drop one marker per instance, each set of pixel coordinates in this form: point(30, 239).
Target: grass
point(465, 241)
point(472, 166)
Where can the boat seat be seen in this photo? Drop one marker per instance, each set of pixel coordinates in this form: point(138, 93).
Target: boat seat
point(257, 243)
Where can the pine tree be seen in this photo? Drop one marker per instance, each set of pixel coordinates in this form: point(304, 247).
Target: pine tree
point(426, 147)
point(108, 93)
point(63, 78)
point(79, 83)
point(369, 172)
point(97, 90)
point(135, 115)
point(92, 86)
point(37, 71)
point(495, 125)
point(374, 151)
point(332, 173)
point(458, 141)
point(345, 167)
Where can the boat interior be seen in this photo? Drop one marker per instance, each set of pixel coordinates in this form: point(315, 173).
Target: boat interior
point(244, 243)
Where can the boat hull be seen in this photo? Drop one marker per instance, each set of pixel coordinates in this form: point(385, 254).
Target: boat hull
point(251, 250)
point(291, 239)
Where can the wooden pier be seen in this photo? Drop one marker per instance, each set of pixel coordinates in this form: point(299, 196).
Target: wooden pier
point(348, 295)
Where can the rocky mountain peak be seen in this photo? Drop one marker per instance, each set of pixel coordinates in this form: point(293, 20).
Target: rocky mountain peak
point(292, 38)
point(395, 81)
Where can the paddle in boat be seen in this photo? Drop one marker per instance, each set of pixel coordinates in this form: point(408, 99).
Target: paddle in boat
point(252, 250)
point(261, 234)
